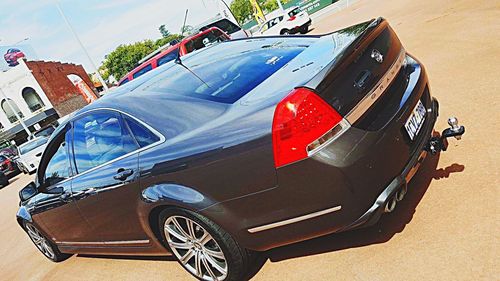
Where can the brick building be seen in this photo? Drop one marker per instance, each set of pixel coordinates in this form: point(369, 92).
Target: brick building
point(41, 92)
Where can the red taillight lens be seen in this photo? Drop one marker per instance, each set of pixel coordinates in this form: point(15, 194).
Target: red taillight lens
point(302, 120)
point(292, 18)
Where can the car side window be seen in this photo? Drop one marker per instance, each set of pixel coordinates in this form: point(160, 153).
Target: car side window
point(143, 70)
point(168, 57)
point(58, 168)
point(99, 138)
point(143, 135)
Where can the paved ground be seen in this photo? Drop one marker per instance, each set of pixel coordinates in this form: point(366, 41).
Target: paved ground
point(446, 229)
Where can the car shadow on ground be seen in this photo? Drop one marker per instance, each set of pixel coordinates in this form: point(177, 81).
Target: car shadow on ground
point(381, 232)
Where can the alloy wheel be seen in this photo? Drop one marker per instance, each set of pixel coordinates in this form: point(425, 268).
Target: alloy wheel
point(195, 248)
point(40, 241)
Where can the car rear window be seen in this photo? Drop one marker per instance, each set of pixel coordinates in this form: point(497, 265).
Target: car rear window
point(226, 79)
point(224, 24)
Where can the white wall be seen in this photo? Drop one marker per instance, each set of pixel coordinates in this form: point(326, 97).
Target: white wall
point(12, 83)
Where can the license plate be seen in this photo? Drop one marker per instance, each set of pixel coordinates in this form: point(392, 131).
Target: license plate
point(416, 120)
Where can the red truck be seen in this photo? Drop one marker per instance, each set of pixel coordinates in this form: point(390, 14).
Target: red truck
point(187, 45)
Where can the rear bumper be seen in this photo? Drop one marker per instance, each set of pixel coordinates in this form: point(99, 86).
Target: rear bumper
point(377, 209)
point(343, 186)
point(303, 26)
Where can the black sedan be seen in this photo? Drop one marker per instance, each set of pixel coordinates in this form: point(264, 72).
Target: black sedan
point(240, 147)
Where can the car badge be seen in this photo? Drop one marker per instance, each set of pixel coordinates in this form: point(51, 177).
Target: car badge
point(377, 56)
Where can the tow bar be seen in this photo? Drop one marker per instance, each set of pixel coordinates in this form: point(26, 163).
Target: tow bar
point(438, 144)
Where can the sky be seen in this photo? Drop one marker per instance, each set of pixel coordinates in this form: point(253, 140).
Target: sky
point(101, 25)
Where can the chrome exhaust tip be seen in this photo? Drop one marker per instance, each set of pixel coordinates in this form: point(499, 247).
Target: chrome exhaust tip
point(400, 194)
point(390, 205)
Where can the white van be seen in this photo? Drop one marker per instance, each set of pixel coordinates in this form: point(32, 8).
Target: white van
point(231, 28)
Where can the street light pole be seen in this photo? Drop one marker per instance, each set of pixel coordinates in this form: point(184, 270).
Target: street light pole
point(280, 5)
point(105, 86)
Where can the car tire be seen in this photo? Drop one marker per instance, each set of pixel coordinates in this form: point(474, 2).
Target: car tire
point(5, 182)
point(202, 247)
point(43, 244)
point(285, 32)
point(304, 30)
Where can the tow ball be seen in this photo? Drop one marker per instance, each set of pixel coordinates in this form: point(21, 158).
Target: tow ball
point(438, 144)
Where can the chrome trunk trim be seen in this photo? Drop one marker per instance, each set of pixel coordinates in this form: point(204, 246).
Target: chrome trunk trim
point(377, 91)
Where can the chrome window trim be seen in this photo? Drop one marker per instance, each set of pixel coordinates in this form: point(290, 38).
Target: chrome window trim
point(377, 91)
point(294, 220)
point(158, 134)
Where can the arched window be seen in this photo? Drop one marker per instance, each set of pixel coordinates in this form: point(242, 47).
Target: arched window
point(8, 110)
point(32, 99)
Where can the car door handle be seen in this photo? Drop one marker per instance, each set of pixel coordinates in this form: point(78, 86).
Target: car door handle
point(123, 174)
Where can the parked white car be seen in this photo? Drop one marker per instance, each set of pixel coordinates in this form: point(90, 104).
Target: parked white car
point(292, 20)
point(29, 154)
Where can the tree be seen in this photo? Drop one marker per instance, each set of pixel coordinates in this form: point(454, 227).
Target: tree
point(186, 29)
point(164, 32)
point(126, 57)
point(243, 10)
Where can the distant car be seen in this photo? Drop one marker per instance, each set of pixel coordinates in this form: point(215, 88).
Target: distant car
point(292, 21)
point(189, 44)
point(226, 25)
point(8, 166)
point(12, 56)
point(29, 154)
point(45, 132)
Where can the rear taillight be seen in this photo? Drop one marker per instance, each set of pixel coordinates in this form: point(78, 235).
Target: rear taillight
point(292, 18)
point(303, 123)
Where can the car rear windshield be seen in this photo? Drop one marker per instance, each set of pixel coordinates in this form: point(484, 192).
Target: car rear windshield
point(224, 24)
point(25, 148)
point(294, 12)
point(223, 80)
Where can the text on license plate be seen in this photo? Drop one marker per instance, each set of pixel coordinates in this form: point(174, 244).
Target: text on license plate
point(416, 120)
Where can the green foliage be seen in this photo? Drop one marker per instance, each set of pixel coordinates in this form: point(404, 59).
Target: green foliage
point(186, 29)
point(124, 58)
point(243, 11)
point(163, 41)
point(164, 32)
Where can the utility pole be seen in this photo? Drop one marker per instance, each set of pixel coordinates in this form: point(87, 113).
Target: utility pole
point(104, 85)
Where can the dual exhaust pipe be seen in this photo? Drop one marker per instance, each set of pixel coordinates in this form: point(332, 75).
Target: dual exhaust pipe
point(396, 197)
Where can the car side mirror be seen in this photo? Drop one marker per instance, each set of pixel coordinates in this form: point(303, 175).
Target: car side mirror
point(28, 191)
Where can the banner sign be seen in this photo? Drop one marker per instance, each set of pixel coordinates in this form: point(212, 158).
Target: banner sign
point(10, 54)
